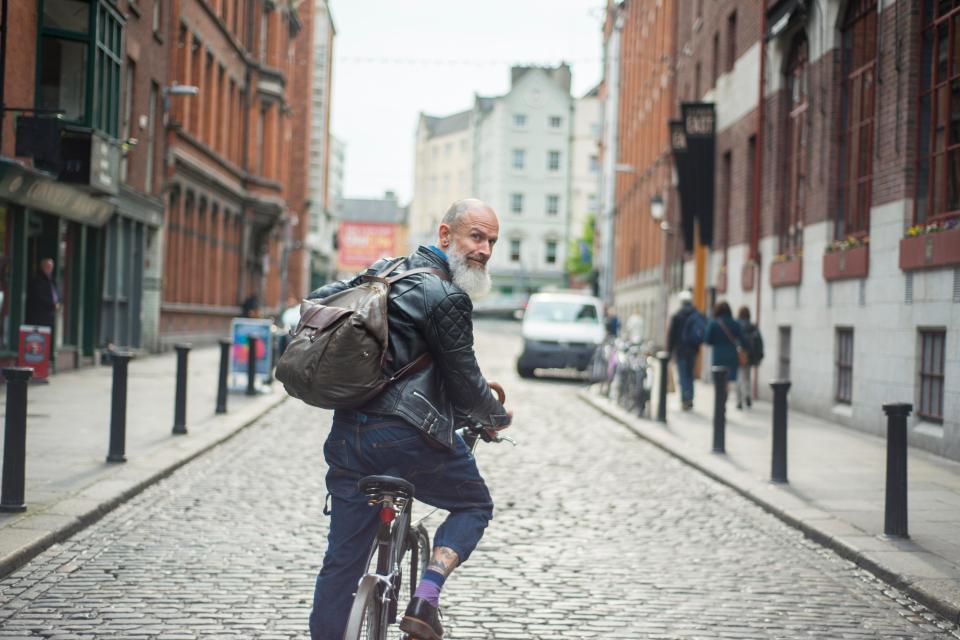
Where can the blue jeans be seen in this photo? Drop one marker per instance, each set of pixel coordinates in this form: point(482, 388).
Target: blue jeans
point(360, 445)
point(685, 372)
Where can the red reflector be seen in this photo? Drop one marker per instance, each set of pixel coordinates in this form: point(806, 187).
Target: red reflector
point(387, 514)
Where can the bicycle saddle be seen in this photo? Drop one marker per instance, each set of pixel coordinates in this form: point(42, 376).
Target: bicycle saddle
point(375, 485)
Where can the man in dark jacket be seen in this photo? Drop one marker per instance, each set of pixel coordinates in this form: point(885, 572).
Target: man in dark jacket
point(42, 296)
point(408, 430)
point(683, 347)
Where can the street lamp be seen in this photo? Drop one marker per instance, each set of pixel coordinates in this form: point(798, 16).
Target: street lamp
point(657, 208)
point(177, 90)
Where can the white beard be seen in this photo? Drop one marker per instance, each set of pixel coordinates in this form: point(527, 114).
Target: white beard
point(475, 281)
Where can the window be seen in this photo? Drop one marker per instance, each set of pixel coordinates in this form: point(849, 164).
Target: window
point(519, 120)
point(696, 81)
point(553, 204)
point(783, 354)
point(157, 9)
point(844, 365)
point(726, 175)
point(932, 349)
point(715, 61)
point(859, 56)
point(151, 135)
point(591, 203)
point(519, 157)
point(129, 83)
point(731, 41)
point(70, 32)
point(938, 156)
point(550, 252)
point(555, 122)
point(553, 160)
point(515, 250)
point(516, 202)
point(594, 164)
point(64, 47)
point(790, 229)
point(748, 186)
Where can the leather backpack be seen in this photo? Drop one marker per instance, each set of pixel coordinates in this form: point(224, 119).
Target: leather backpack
point(336, 356)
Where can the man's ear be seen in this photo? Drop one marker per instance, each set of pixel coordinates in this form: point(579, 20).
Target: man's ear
point(445, 234)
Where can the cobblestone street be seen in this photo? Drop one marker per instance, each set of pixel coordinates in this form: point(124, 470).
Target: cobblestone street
point(596, 535)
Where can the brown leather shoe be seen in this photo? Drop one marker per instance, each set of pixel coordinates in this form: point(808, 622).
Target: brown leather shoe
point(422, 620)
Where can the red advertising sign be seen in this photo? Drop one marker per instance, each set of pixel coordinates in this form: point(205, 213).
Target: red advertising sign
point(35, 349)
point(362, 243)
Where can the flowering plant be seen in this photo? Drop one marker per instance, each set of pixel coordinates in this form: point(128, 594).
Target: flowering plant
point(787, 257)
point(933, 227)
point(850, 242)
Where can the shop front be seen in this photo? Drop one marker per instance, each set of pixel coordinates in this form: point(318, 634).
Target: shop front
point(43, 219)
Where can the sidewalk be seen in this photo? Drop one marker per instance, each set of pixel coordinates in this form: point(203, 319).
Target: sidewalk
point(836, 488)
point(69, 484)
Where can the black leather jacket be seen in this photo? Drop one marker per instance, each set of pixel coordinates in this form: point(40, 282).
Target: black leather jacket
point(426, 313)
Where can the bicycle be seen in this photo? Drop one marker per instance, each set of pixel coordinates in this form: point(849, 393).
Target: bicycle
point(378, 595)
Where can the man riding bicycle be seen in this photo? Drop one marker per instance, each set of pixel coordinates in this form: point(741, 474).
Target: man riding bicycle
point(408, 430)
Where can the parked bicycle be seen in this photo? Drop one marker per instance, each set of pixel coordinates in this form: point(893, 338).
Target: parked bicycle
point(399, 543)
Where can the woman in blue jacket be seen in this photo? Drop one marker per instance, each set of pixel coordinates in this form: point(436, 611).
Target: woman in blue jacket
point(724, 352)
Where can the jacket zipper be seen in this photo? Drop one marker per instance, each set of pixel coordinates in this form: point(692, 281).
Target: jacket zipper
point(429, 404)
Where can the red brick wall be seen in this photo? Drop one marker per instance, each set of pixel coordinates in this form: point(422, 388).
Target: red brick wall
point(645, 106)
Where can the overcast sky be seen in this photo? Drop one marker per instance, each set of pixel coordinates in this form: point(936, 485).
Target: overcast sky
point(395, 58)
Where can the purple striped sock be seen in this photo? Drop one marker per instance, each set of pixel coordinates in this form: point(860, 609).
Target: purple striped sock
point(429, 587)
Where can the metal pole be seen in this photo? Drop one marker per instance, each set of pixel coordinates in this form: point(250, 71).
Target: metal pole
point(15, 440)
point(225, 344)
point(778, 472)
point(118, 406)
point(180, 404)
point(895, 514)
point(251, 365)
point(664, 358)
point(719, 408)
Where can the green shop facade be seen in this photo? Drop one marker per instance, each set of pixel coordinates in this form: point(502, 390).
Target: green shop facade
point(42, 218)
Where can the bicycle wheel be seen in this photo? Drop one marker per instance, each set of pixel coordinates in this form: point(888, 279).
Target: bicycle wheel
point(367, 620)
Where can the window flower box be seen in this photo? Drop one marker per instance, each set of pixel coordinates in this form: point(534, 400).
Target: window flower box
point(848, 258)
point(930, 246)
point(786, 270)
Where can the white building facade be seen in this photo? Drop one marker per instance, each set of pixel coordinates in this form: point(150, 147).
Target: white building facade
point(443, 168)
point(585, 169)
point(522, 167)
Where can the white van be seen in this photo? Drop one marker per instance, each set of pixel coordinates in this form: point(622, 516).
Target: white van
point(560, 331)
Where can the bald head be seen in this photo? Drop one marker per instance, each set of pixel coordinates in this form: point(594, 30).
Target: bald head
point(459, 209)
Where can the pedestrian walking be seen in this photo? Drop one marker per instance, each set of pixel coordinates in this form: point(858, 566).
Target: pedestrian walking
point(753, 342)
point(724, 335)
point(408, 430)
point(684, 338)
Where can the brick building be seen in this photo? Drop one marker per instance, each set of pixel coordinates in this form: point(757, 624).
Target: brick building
point(642, 171)
point(837, 198)
point(235, 209)
point(80, 171)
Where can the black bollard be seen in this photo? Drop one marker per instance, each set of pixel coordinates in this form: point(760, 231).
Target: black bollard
point(664, 358)
point(895, 514)
point(719, 408)
point(180, 403)
point(225, 344)
point(118, 407)
point(778, 472)
point(251, 365)
point(15, 440)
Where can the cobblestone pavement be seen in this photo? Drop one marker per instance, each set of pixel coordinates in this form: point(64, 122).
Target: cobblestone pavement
point(596, 535)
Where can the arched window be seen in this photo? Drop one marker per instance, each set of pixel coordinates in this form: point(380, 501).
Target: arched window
point(938, 156)
point(795, 147)
point(859, 37)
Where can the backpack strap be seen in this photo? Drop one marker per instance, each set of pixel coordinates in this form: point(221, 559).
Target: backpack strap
point(386, 271)
point(411, 367)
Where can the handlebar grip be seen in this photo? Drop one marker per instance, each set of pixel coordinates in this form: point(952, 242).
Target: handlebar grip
point(501, 394)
